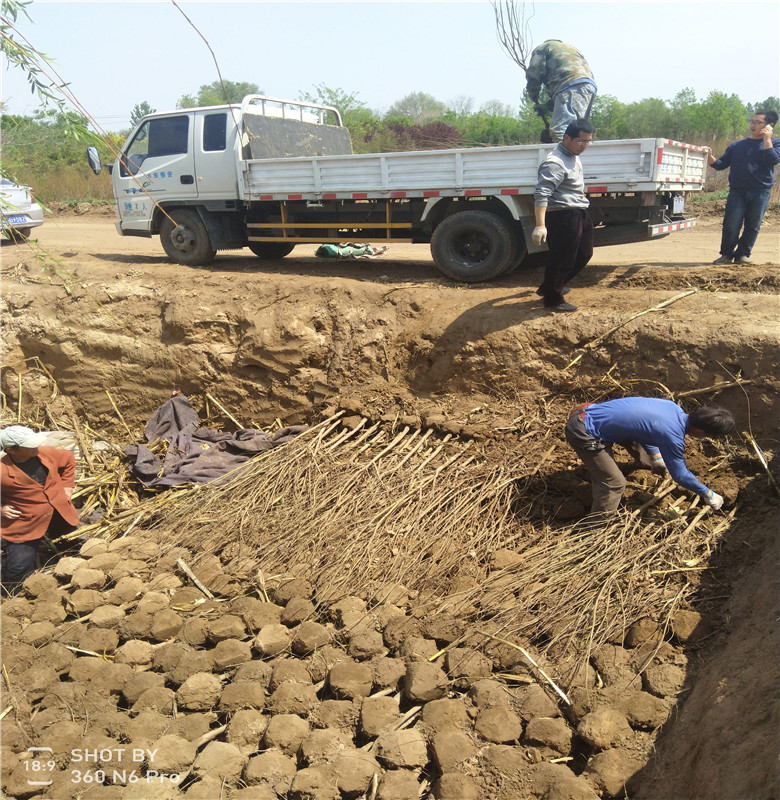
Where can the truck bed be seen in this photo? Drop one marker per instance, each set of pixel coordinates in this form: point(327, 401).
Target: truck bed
point(625, 165)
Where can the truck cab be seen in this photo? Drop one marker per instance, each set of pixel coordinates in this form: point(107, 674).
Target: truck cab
point(185, 158)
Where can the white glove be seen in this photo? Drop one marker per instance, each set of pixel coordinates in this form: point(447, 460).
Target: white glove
point(539, 236)
point(713, 500)
point(658, 464)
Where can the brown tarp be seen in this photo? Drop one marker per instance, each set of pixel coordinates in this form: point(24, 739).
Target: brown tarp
point(195, 454)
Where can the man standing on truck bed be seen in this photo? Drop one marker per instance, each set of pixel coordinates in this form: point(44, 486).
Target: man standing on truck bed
point(566, 76)
point(560, 204)
point(752, 161)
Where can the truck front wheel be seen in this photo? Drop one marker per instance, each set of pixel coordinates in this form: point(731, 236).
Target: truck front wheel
point(474, 246)
point(185, 239)
point(270, 250)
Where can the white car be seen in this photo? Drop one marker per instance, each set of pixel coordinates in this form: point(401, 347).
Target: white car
point(20, 212)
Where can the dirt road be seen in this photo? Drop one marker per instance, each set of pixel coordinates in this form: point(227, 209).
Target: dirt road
point(79, 238)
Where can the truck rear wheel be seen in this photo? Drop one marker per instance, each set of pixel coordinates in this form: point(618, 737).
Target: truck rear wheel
point(270, 250)
point(474, 246)
point(187, 242)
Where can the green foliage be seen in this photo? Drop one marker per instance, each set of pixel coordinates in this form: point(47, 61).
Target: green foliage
point(345, 103)
point(48, 143)
point(43, 152)
point(214, 94)
point(22, 56)
point(770, 104)
point(482, 128)
point(140, 111)
point(419, 107)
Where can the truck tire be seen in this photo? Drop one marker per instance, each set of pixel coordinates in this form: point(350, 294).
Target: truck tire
point(271, 250)
point(187, 242)
point(473, 246)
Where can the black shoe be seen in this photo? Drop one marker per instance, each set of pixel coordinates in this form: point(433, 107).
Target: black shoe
point(724, 260)
point(540, 291)
point(561, 307)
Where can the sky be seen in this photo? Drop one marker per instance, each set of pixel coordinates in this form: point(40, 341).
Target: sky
point(114, 55)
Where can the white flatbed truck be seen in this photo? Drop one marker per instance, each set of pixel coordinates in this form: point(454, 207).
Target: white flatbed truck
point(269, 174)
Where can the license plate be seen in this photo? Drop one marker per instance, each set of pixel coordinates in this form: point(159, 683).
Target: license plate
point(17, 220)
point(678, 204)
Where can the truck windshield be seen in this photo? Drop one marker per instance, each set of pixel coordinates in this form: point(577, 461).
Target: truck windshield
point(156, 137)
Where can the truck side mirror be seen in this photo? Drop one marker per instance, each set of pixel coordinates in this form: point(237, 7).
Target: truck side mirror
point(93, 158)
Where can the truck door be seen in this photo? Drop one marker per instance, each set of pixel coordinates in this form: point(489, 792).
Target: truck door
point(157, 163)
point(215, 158)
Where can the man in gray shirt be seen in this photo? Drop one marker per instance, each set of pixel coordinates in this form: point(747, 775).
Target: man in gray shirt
point(561, 214)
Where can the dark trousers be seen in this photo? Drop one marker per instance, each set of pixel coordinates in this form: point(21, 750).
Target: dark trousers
point(607, 482)
point(570, 242)
point(742, 207)
point(20, 558)
point(19, 562)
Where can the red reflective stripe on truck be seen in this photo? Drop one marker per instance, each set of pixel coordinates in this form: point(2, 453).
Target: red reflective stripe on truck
point(295, 197)
point(660, 155)
point(510, 191)
point(359, 195)
point(329, 196)
point(677, 226)
point(431, 194)
point(266, 197)
point(597, 189)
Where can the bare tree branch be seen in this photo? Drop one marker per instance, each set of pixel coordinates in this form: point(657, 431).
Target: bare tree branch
point(513, 29)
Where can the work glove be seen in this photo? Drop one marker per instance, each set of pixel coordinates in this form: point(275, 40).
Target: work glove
point(713, 500)
point(658, 466)
point(539, 236)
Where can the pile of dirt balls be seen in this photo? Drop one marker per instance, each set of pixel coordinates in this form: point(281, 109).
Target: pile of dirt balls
point(125, 680)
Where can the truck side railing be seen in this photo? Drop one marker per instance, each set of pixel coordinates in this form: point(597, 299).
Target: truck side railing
point(288, 109)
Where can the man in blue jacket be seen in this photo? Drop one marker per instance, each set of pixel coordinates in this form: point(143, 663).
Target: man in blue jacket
point(752, 163)
point(653, 430)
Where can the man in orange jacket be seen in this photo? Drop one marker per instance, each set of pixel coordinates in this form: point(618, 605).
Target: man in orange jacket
point(36, 484)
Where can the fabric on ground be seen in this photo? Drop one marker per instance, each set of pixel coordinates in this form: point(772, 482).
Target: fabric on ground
point(196, 455)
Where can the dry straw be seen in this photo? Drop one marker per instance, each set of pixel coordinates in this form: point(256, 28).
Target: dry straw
point(357, 508)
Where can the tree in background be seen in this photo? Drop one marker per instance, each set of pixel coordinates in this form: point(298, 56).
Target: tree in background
point(215, 94)
point(418, 107)
point(609, 116)
point(770, 104)
point(355, 114)
point(140, 111)
point(462, 104)
point(721, 114)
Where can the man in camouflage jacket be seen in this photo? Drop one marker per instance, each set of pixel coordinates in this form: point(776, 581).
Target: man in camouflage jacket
point(565, 74)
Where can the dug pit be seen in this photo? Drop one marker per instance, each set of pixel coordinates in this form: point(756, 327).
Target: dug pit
point(398, 602)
